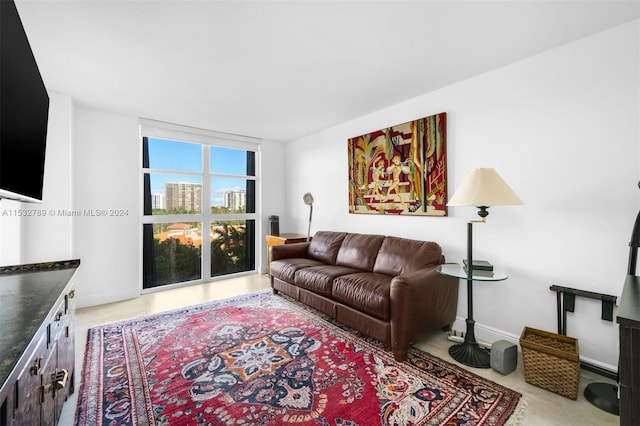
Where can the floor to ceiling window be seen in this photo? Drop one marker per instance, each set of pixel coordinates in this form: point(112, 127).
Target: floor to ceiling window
point(199, 196)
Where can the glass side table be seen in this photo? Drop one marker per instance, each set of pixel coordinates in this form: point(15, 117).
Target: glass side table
point(469, 352)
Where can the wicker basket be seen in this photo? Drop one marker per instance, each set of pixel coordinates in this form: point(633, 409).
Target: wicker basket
point(551, 361)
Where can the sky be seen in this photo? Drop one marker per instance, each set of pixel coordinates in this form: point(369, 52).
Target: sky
point(187, 157)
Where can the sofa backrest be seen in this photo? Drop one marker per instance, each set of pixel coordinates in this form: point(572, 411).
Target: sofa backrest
point(325, 245)
point(371, 252)
point(359, 251)
point(401, 255)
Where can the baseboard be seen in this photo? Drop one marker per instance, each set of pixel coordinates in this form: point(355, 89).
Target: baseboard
point(604, 372)
point(491, 334)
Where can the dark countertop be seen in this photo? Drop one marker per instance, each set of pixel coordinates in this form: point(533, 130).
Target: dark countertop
point(27, 295)
point(629, 309)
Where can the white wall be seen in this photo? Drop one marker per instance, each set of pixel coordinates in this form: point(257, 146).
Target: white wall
point(272, 193)
point(10, 233)
point(562, 128)
point(106, 166)
point(47, 238)
point(44, 233)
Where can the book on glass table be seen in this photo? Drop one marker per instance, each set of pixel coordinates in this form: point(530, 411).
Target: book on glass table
point(479, 265)
point(480, 272)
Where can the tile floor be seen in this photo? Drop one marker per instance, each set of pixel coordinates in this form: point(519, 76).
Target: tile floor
point(538, 407)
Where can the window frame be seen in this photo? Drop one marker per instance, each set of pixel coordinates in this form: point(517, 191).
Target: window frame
point(206, 138)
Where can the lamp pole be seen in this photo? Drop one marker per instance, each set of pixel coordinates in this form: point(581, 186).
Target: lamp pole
point(469, 352)
point(470, 336)
point(310, 214)
point(308, 200)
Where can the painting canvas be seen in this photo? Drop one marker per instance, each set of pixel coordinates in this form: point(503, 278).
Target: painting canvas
point(400, 170)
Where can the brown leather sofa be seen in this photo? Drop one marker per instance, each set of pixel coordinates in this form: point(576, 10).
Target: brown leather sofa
point(386, 287)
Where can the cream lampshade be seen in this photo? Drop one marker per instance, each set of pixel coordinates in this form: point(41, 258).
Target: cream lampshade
point(483, 188)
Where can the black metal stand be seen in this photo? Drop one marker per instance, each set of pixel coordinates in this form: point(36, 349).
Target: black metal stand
point(602, 395)
point(469, 352)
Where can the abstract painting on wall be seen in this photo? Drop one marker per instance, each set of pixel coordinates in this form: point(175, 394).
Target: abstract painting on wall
point(400, 170)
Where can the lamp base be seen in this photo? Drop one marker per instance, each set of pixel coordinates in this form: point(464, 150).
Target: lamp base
point(603, 396)
point(471, 354)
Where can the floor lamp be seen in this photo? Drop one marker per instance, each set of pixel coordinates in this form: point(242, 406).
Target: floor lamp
point(482, 188)
point(308, 200)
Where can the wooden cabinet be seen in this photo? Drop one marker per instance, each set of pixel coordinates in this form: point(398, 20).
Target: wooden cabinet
point(280, 239)
point(628, 318)
point(37, 343)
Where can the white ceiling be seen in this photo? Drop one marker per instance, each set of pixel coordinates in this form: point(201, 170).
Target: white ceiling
point(281, 70)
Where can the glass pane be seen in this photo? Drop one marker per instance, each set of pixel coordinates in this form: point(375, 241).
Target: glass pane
point(172, 253)
point(172, 194)
point(231, 161)
point(232, 247)
point(171, 155)
point(231, 195)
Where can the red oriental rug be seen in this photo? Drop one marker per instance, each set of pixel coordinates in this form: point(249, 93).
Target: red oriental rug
point(264, 360)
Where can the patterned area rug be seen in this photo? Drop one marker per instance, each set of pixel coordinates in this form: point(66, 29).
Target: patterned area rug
point(264, 360)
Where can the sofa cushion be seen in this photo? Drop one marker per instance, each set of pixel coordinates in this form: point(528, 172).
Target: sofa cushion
point(400, 255)
point(324, 246)
point(285, 269)
point(319, 279)
point(367, 292)
point(359, 251)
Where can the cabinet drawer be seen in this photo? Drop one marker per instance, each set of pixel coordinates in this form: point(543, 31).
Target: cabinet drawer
point(70, 302)
point(62, 321)
point(48, 402)
point(66, 357)
point(26, 403)
point(57, 324)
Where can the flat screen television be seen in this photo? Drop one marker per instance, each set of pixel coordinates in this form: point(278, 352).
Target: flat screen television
point(24, 112)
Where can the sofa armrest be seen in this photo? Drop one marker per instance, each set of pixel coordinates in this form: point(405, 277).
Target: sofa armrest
point(287, 251)
point(421, 302)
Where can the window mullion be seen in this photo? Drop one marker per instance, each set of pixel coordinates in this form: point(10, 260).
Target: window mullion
point(206, 213)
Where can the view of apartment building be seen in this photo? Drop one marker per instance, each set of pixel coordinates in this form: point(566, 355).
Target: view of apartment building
point(235, 200)
point(183, 195)
point(188, 196)
point(158, 200)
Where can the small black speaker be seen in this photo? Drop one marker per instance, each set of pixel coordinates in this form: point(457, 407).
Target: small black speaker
point(504, 356)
